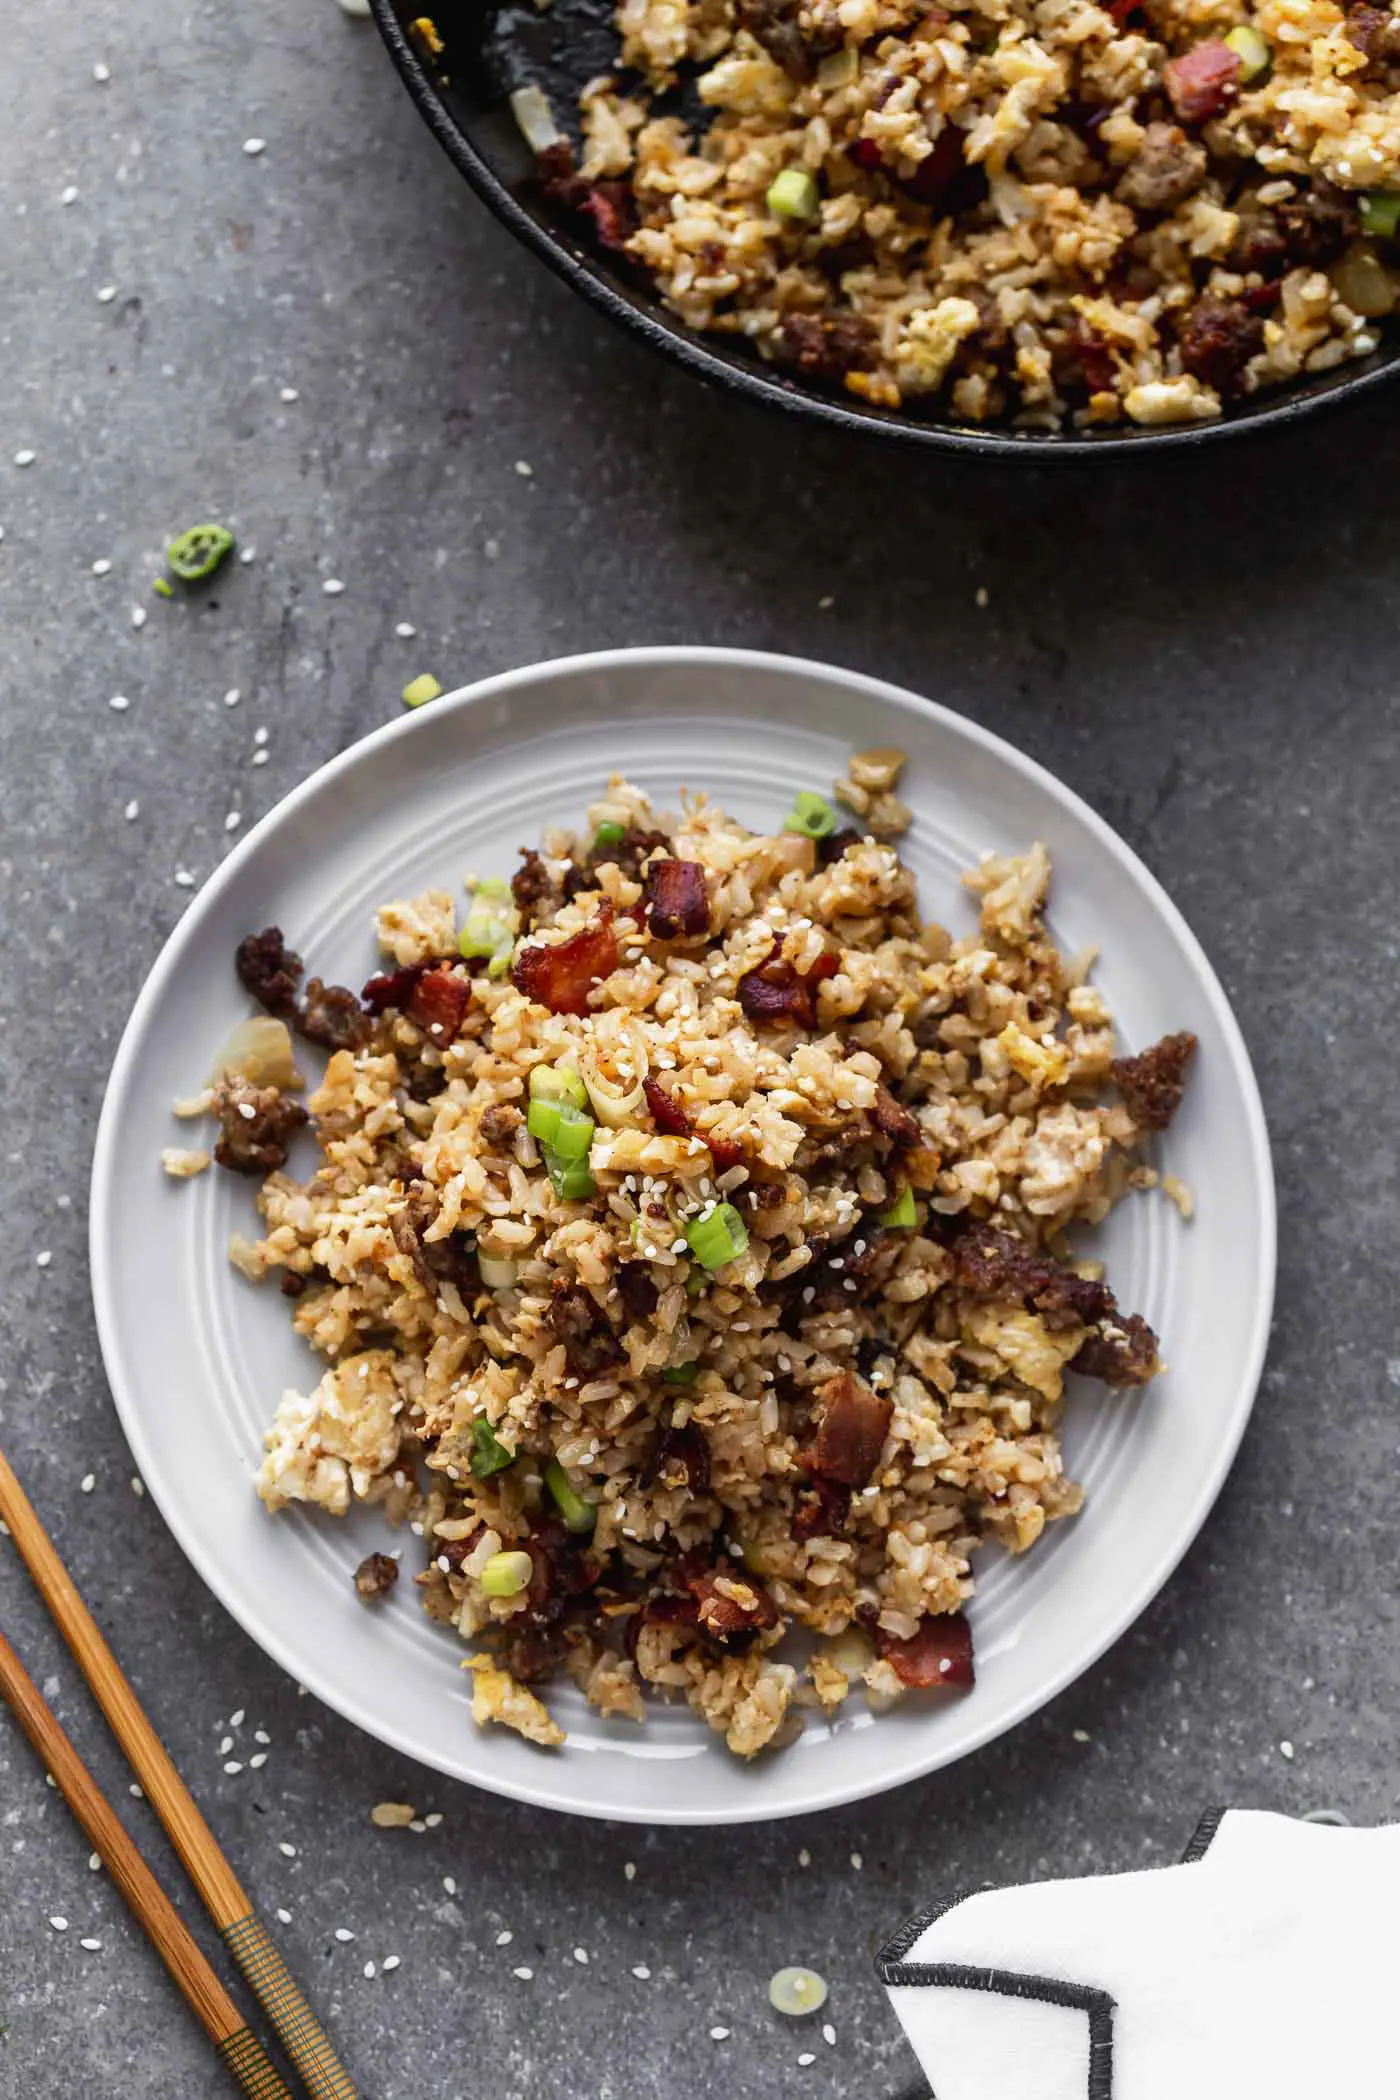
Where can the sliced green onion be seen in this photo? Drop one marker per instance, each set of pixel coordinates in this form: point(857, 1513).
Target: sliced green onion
point(900, 1215)
point(1380, 213)
point(497, 1273)
point(195, 554)
point(484, 934)
point(718, 1236)
point(489, 1454)
point(419, 691)
point(162, 589)
point(570, 1178)
point(558, 1083)
point(681, 1374)
point(609, 834)
point(507, 1574)
point(542, 1121)
point(796, 1991)
point(579, 1516)
point(1254, 52)
point(574, 1131)
point(794, 195)
point(493, 886)
point(812, 816)
point(501, 961)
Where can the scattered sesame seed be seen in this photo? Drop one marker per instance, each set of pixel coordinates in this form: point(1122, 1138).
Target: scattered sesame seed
point(343, 1934)
point(88, 1483)
point(284, 1917)
point(829, 2035)
point(138, 617)
point(433, 1820)
point(69, 196)
point(289, 393)
point(1286, 1750)
point(405, 630)
point(524, 469)
point(102, 567)
point(138, 1485)
point(417, 1826)
point(43, 1258)
point(1082, 1735)
point(581, 1957)
point(806, 2058)
point(92, 1946)
point(184, 878)
point(503, 1939)
point(719, 2034)
point(106, 293)
point(233, 820)
point(59, 1924)
point(370, 1971)
point(257, 1760)
point(253, 147)
point(247, 554)
point(449, 1884)
point(233, 1767)
point(260, 734)
point(524, 1974)
point(389, 1963)
point(94, 1863)
point(825, 604)
point(232, 696)
point(332, 587)
point(642, 1972)
point(25, 458)
point(260, 1735)
point(237, 1717)
point(629, 1870)
point(259, 758)
point(857, 1862)
point(287, 1851)
point(980, 596)
point(804, 1858)
point(101, 72)
point(119, 703)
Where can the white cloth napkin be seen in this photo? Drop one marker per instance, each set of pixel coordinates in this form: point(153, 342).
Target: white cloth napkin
point(1266, 1968)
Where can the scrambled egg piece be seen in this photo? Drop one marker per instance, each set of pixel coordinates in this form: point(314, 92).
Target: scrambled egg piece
point(497, 1697)
point(1042, 1061)
point(326, 1445)
point(1025, 1344)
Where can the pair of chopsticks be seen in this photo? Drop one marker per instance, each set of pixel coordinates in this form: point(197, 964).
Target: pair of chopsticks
point(246, 1938)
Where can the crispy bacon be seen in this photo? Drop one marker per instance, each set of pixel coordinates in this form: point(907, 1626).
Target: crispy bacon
point(940, 1653)
point(732, 1609)
point(562, 974)
point(560, 1571)
point(1122, 1352)
point(997, 1265)
point(439, 1002)
point(676, 899)
point(270, 971)
point(1152, 1083)
point(672, 1120)
point(395, 987)
point(893, 1119)
point(682, 1458)
point(823, 1511)
point(572, 1318)
point(774, 990)
point(851, 1431)
point(1203, 82)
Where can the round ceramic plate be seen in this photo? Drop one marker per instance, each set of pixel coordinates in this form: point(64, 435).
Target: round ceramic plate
point(198, 1358)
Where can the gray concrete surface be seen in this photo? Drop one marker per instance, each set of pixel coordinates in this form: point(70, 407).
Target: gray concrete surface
point(1206, 647)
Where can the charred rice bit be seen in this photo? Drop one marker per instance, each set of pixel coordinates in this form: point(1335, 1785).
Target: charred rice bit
point(1010, 211)
point(701, 1396)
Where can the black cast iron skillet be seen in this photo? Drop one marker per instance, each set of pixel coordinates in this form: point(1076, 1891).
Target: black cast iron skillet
point(490, 50)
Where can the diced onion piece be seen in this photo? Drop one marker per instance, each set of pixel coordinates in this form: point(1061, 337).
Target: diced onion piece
point(260, 1051)
point(1254, 52)
point(507, 1574)
point(531, 111)
point(839, 68)
point(851, 1652)
point(794, 195)
point(615, 1102)
point(796, 1992)
point(579, 1516)
point(497, 1273)
point(1362, 281)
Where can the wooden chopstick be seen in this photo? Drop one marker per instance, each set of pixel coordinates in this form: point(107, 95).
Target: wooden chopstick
point(244, 1934)
point(210, 2002)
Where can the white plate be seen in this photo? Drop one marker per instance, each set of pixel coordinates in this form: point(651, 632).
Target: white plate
point(198, 1358)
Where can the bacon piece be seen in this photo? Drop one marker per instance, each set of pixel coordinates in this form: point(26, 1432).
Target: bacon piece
point(893, 1119)
point(940, 1653)
point(561, 975)
point(1152, 1083)
point(589, 1343)
point(938, 170)
point(666, 1112)
point(732, 1609)
point(1203, 82)
point(439, 1002)
point(851, 1431)
point(560, 1571)
point(682, 1458)
point(997, 1265)
point(637, 1290)
point(1123, 1352)
point(394, 988)
point(823, 1511)
point(774, 990)
point(269, 971)
point(609, 205)
point(676, 899)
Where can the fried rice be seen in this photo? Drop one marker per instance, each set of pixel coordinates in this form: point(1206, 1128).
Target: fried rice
point(1046, 212)
point(724, 1405)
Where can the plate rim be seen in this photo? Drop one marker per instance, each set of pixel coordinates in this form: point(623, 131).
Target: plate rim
point(557, 1792)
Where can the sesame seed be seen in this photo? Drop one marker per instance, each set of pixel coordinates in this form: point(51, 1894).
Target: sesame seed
point(257, 1760)
point(370, 1971)
point(289, 393)
point(332, 587)
point(233, 1767)
point(581, 1957)
point(253, 147)
point(524, 1974)
point(259, 758)
point(433, 1820)
point(804, 1858)
point(233, 820)
point(390, 1962)
point(1082, 1735)
point(260, 734)
point(68, 196)
point(405, 630)
point(59, 1924)
point(287, 1851)
point(284, 1917)
point(1286, 1750)
point(629, 1870)
point(806, 2058)
point(237, 1718)
point(225, 1746)
point(642, 1972)
point(449, 1884)
point(260, 1735)
point(183, 878)
point(344, 1934)
point(88, 1483)
point(101, 73)
point(43, 1258)
point(119, 703)
point(829, 2035)
point(102, 568)
point(138, 617)
point(232, 696)
point(94, 1863)
point(138, 1485)
point(248, 554)
point(524, 469)
point(25, 458)
point(92, 1946)
point(503, 1939)
point(106, 294)
point(719, 2034)
point(857, 1862)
